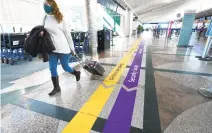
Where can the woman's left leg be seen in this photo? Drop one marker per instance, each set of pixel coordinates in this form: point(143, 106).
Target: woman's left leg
point(53, 61)
point(64, 60)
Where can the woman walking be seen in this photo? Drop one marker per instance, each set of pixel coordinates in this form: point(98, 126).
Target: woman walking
point(57, 27)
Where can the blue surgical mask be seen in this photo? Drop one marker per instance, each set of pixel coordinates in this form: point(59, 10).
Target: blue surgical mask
point(48, 9)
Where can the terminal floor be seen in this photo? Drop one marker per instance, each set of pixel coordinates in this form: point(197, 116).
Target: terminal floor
point(167, 90)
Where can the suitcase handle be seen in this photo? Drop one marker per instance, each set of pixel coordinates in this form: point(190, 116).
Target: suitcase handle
point(80, 61)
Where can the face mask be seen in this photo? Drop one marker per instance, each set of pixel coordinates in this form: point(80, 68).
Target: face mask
point(48, 9)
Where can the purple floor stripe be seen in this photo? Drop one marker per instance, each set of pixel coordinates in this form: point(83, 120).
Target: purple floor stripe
point(120, 118)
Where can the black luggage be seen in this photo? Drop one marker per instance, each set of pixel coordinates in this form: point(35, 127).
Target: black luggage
point(92, 66)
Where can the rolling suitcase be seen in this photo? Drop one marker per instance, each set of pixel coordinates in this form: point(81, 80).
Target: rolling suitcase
point(92, 67)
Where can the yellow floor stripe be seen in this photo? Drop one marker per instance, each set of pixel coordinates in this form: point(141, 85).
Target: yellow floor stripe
point(115, 74)
point(85, 118)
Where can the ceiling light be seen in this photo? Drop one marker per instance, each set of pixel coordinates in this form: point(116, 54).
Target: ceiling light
point(167, 1)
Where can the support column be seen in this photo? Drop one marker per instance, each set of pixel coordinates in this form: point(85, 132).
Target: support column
point(131, 22)
point(125, 23)
point(122, 26)
point(128, 22)
point(135, 26)
point(90, 8)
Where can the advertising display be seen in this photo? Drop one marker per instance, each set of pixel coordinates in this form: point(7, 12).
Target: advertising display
point(209, 30)
point(209, 41)
point(209, 18)
point(186, 31)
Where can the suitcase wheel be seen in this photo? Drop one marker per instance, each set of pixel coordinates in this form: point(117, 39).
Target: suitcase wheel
point(12, 62)
point(6, 60)
point(2, 60)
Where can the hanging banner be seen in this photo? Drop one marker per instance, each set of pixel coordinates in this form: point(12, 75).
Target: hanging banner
point(186, 30)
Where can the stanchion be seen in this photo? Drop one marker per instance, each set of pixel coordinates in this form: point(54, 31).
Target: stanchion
point(206, 92)
point(111, 37)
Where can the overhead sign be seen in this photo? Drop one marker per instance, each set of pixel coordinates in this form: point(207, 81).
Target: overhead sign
point(190, 12)
point(209, 30)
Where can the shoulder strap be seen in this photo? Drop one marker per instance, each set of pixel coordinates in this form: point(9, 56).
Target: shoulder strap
point(44, 20)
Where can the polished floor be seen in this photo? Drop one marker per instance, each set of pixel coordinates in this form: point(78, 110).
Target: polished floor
point(149, 86)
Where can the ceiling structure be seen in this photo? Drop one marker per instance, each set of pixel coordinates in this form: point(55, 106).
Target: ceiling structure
point(164, 10)
point(146, 10)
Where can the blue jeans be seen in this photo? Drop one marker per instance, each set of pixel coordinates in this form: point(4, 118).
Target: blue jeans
point(64, 60)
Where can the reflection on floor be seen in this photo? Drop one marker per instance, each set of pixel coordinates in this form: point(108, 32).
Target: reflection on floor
point(176, 91)
point(26, 106)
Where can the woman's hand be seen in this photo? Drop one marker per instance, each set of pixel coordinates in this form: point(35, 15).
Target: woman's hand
point(73, 53)
point(41, 33)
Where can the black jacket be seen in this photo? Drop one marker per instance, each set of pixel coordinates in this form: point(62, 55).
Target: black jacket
point(35, 44)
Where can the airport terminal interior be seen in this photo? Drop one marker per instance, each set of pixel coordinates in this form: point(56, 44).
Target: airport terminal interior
point(136, 66)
